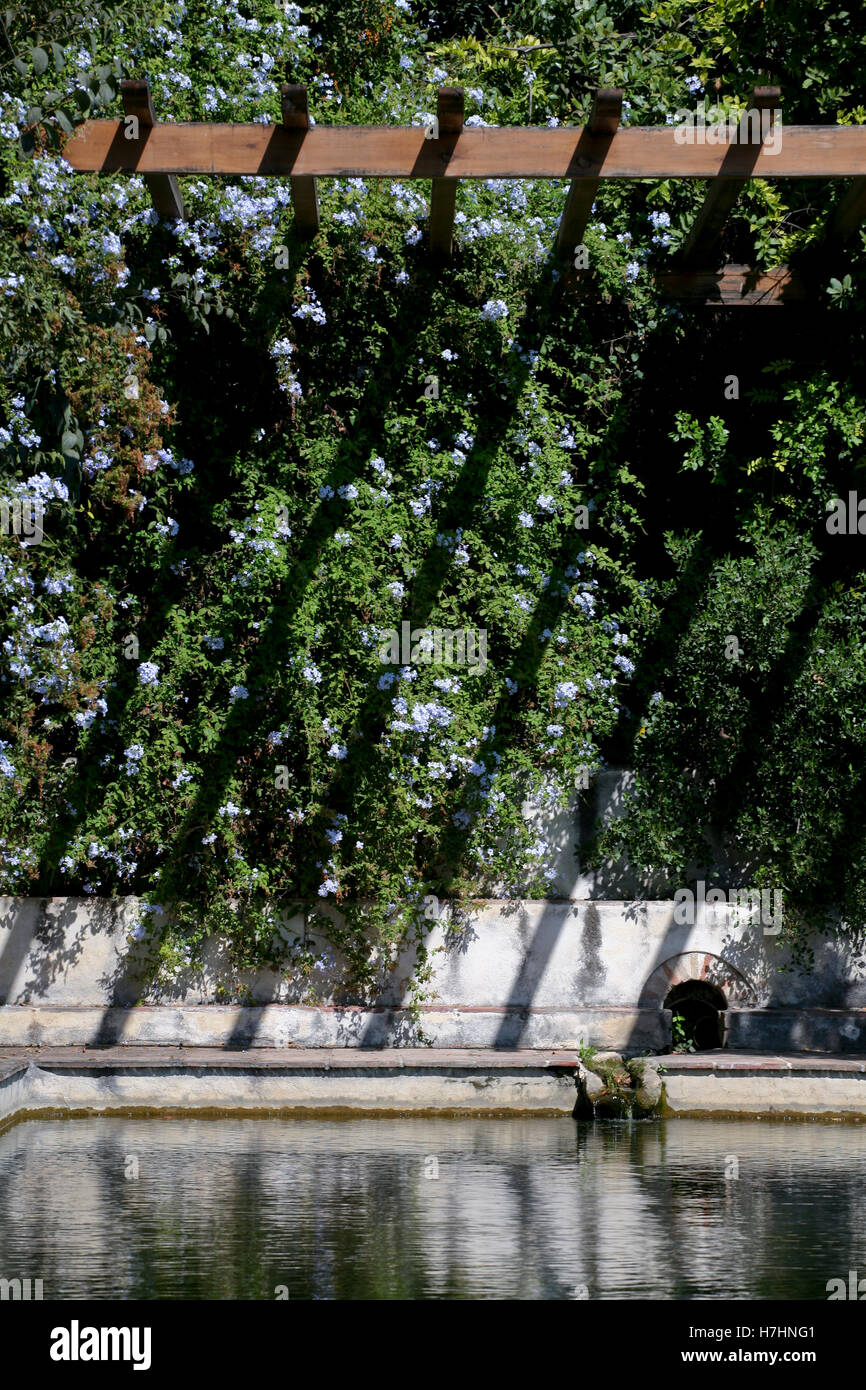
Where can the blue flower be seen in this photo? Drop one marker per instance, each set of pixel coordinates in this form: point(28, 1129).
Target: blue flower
point(565, 692)
point(494, 309)
point(6, 767)
point(148, 673)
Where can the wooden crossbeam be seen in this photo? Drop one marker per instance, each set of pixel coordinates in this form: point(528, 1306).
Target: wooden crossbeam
point(723, 193)
point(137, 103)
point(599, 131)
point(402, 152)
point(305, 198)
point(443, 197)
point(733, 285)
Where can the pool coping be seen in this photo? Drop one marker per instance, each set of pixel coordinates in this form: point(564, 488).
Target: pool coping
point(377, 1058)
point(65, 1081)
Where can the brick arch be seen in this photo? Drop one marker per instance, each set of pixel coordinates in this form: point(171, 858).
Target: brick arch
point(697, 965)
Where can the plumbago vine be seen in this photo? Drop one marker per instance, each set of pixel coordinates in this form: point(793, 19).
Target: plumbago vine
point(259, 457)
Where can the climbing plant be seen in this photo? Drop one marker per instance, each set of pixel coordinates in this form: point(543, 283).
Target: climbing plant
point(257, 458)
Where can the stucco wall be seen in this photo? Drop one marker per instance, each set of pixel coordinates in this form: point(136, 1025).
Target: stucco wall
point(542, 954)
point(537, 974)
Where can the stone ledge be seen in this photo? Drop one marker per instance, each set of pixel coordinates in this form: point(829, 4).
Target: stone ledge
point(55, 1081)
point(813, 1029)
point(745, 1062)
point(272, 1058)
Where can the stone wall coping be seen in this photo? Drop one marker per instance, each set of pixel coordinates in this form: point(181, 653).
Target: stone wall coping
point(156, 1056)
point(278, 1058)
point(742, 1061)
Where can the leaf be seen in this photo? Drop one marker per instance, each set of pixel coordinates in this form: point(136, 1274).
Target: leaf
point(64, 122)
point(106, 92)
point(59, 54)
point(39, 59)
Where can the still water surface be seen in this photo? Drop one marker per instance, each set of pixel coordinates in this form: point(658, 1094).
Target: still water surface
point(431, 1208)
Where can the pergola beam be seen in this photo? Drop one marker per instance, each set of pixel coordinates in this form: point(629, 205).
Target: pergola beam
point(305, 197)
point(598, 133)
point(443, 196)
point(732, 286)
point(163, 189)
point(703, 239)
point(584, 155)
point(402, 152)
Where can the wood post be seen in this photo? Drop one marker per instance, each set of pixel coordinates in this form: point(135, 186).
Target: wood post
point(163, 188)
point(443, 197)
point(703, 239)
point(305, 198)
point(598, 132)
point(847, 216)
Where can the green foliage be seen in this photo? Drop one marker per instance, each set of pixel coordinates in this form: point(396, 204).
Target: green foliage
point(333, 494)
point(680, 1042)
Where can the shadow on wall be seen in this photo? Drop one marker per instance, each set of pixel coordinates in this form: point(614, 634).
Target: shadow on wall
point(572, 829)
point(43, 939)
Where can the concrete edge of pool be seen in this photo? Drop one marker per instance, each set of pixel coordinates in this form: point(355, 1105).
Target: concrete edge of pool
point(40, 1081)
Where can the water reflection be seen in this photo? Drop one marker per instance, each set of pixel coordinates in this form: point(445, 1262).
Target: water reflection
point(341, 1209)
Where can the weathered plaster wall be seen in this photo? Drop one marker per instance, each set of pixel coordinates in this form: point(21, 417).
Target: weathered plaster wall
point(532, 974)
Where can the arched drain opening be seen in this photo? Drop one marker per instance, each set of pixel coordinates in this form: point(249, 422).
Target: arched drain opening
point(697, 1009)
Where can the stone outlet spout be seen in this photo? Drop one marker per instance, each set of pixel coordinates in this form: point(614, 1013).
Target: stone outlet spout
point(610, 1088)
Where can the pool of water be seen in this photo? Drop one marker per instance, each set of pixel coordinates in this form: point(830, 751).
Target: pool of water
point(122, 1208)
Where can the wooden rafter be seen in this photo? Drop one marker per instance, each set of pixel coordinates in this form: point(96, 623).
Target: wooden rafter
point(597, 136)
point(602, 149)
point(723, 192)
point(137, 103)
point(305, 198)
point(733, 285)
point(403, 152)
point(443, 197)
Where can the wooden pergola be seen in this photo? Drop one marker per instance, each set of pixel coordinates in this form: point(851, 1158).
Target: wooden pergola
point(449, 151)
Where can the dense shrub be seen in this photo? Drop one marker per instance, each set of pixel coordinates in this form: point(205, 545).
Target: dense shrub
point(260, 455)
